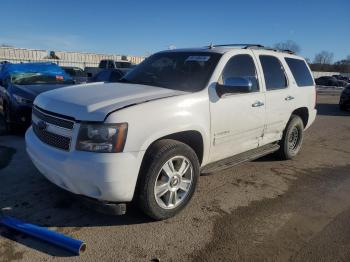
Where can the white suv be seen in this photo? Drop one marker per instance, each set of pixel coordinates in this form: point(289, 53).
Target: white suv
point(178, 114)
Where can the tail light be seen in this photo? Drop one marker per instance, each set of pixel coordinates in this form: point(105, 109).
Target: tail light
point(315, 98)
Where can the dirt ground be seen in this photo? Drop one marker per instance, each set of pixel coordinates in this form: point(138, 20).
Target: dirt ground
point(266, 210)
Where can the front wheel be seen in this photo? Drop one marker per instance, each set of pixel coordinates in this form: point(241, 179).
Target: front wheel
point(292, 138)
point(168, 179)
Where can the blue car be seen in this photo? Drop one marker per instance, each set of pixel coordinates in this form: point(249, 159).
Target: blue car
point(20, 84)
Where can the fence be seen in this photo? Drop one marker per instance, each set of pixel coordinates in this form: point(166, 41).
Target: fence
point(56, 61)
point(78, 59)
point(317, 74)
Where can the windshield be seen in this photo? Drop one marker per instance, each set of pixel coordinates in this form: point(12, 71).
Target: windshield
point(37, 78)
point(185, 71)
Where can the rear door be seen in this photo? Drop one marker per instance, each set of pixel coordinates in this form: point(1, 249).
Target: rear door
point(237, 120)
point(280, 95)
point(302, 82)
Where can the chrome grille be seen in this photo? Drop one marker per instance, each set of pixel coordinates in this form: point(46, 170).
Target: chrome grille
point(52, 130)
point(53, 119)
point(52, 139)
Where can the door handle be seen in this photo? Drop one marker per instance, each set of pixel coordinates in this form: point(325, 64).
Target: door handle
point(257, 104)
point(288, 98)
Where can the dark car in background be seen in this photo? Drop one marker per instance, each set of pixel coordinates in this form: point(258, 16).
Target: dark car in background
point(21, 83)
point(108, 75)
point(327, 81)
point(344, 102)
point(76, 73)
point(122, 65)
point(113, 64)
point(342, 78)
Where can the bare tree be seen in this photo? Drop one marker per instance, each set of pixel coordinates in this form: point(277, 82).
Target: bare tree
point(324, 57)
point(288, 45)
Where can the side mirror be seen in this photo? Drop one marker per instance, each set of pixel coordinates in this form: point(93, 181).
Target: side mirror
point(234, 85)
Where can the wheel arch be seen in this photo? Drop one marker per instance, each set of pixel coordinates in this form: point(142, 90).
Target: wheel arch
point(303, 113)
point(192, 138)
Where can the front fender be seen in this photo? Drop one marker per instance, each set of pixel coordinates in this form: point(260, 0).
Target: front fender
point(153, 120)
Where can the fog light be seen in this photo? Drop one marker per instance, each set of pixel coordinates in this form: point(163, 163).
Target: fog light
point(23, 119)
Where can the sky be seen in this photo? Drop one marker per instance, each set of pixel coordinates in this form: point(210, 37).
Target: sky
point(144, 27)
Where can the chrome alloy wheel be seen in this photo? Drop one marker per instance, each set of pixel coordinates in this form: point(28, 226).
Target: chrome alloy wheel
point(173, 182)
point(294, 139)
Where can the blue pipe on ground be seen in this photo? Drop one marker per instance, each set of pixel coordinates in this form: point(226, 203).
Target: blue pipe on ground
point(73, 245)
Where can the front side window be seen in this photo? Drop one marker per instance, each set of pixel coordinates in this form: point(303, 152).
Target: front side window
point(275, 77)
point(185, 71)
point(241, 66)
point(300, 71)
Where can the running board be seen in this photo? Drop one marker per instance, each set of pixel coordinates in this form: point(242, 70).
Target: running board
point(240, 158)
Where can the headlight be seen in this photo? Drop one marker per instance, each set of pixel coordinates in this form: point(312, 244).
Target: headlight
point(103, 138)
point(22, 100)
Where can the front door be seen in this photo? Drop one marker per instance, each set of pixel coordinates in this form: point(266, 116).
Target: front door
point(237, 119)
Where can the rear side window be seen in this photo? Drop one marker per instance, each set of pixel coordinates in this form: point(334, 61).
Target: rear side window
point(275, 77)
point(300, 71)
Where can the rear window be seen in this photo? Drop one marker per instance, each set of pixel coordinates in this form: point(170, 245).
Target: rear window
point(300, 71)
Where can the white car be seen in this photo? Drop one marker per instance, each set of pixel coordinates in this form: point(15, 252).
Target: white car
point(178, 114)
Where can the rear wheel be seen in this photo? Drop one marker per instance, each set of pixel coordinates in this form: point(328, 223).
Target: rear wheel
point(292, 139)
point(168, 179)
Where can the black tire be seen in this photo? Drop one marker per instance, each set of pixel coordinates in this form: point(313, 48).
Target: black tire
point(342, 107)
point(292, 138)
point(160, 153)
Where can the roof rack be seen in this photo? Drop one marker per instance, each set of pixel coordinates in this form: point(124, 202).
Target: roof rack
point(245, 46)
point(288, 51)
point(253, 46)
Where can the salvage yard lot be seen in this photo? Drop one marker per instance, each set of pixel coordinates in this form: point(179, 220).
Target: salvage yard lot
point(266, 209)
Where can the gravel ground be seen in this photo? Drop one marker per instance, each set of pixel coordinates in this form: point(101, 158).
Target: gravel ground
point(266, 210)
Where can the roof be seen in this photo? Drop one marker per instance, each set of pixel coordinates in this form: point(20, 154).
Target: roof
point(44, 68)
point(221, 49)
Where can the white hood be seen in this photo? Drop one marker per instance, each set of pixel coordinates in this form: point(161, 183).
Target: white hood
point(92, 102)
